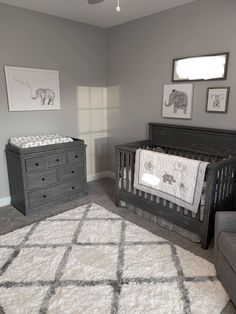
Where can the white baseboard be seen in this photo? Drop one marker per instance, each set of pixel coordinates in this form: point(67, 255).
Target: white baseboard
point(5, 201)
point(100, 175)
point(105, 174)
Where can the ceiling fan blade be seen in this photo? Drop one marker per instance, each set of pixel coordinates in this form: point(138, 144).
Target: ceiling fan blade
point(94, 1)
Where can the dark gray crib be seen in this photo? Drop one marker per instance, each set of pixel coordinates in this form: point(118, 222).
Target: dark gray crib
point(213, 145)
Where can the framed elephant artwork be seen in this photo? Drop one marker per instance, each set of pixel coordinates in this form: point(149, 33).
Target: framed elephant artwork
point(217, 99)
point(32, 89)
point(177, 101)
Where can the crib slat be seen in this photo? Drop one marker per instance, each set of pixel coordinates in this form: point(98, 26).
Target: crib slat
point(132, 172)
point(224, 197)
point(182, 211)
point(232, 182)
point(221, 187)
point(163, 201)
point(171, 205)
point(127, 171)
point(230, 188)
point(218, 183)
point(149, 197)
point(122, 170)
point(167, 203)
point(229, 185)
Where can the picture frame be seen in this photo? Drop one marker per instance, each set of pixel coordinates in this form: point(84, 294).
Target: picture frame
point(30, 89)
point(209, 67)
point(217, 99)
point(177, 101)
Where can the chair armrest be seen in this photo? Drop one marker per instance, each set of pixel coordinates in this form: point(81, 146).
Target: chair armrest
point(224, 222)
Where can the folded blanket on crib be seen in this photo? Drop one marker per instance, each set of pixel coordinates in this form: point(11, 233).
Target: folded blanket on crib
point(176, 179)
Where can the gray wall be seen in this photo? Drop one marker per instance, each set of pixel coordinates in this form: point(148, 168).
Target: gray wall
point(36, 40)
point(140, 57)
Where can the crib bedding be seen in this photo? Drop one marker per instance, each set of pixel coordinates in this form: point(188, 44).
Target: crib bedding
point(174, 178)
point(129, 187)
point(38, 140)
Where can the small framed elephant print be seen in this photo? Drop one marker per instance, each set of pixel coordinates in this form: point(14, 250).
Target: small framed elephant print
point(177, 101)
point(32, 89)
point(218, 99)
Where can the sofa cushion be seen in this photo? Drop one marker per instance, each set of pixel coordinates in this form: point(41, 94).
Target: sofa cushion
point(227, 246)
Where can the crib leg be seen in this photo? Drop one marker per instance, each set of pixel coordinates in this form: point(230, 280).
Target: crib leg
point(117, 198)
point(206, 235)
point(204, 243)
point(118, 201)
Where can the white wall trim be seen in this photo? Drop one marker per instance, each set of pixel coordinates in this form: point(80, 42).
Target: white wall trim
point(5, 201)
point(100, 175)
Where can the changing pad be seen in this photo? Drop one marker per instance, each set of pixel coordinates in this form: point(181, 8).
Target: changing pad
point(38, 140)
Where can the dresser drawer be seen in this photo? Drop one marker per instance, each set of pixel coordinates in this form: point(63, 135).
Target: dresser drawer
point(41, 179)
point(45, 196)
point(76, 155)
point(36, 163)
point(56, 159)
point(73, 171)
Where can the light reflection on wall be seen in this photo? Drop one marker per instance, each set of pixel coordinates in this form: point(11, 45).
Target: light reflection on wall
point(114, 122)
point(113, 104)
point(92, 126)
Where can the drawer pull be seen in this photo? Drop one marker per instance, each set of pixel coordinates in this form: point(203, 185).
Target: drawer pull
point(36, 164)
point(76, 156)
point(73, 187)
point(72, 171)
point(57, 160)
point(44, 196)
point(43, 179)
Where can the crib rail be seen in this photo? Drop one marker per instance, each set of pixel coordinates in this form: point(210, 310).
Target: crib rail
point(174, 150)
point(220, 177)
point(223, 191)
point(220, 193)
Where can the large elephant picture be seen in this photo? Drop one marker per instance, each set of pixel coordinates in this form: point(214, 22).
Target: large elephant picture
point(32, 89)
point(177, 101)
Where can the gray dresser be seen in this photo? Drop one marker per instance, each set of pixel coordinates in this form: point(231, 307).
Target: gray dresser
point(41, 177)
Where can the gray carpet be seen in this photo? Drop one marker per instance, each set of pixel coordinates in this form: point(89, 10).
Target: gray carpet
point(102, 192)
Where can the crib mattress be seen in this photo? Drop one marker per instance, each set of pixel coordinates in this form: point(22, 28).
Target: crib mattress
point(38, 140)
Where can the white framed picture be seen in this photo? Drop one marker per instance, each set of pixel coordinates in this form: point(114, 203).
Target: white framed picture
point(32, 89)
point(177, 101)
point(217, 99)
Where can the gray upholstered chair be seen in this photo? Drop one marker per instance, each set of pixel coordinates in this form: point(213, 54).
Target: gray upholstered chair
point(225, 251)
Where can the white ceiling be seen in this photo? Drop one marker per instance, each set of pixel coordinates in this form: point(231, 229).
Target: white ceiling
point(102, 14)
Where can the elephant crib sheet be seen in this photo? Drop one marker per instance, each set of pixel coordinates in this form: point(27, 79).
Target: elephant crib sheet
point(177, 179)
point(38, 140)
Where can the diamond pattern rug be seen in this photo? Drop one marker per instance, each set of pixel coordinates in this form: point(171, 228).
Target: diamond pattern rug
point(89, 260)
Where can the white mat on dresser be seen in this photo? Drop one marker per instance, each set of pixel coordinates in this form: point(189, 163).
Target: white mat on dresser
point(38, 140)
point(89, 260)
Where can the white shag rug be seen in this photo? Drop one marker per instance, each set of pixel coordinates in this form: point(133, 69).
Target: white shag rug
point(89, 260)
